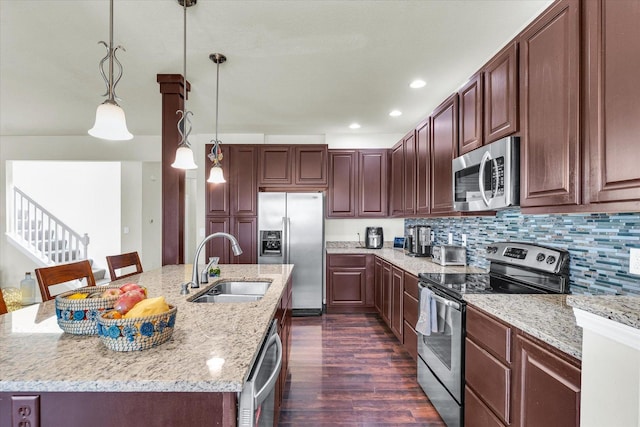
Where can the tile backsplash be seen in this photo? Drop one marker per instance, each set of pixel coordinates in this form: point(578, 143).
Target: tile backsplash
point(598, 243)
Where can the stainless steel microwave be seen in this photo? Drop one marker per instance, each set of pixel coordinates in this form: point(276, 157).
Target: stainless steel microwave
point(488, 178)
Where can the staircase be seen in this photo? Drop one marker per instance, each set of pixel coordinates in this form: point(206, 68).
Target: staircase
point(48, 241)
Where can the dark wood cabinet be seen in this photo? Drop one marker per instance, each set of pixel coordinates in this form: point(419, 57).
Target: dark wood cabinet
point(245, 230)
point(396, 191)
point(411, 311)
point(310, 165)
point(613, 100)
point(397, 292)
point(409, 143)
point(423, 168)
point(350, 283)
point(501, 94)
point(218, 247)
point(387, 291)
point(288, 165)
point(470, 96)
point(372, 184)
point(549, 106)
point(283, 319)
point(357, 184)
point(275, 165)
point(378, 291)
point(444, 147)
point(547, 386)
point(242, 178)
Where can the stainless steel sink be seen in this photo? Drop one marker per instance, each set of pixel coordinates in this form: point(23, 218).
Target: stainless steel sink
point(233, 291)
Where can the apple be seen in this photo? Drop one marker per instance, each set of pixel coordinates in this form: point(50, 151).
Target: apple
point(127, 300)
point(111, 292)
point(129, 287)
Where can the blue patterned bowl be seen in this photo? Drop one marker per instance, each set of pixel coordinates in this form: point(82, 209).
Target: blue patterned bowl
point(137, 333)
point(79, 316)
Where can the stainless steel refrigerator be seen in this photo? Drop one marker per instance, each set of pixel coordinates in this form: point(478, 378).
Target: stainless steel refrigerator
point(291, 231)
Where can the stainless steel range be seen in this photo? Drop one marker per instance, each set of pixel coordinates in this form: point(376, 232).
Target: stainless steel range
point(515, 268)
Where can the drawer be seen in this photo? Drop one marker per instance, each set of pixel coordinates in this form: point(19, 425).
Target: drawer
point(476, 414)
point(410, 340)
point(489, 378)
point(351, 260)
point(490, 334)
point(411, 310)
point(411, 285)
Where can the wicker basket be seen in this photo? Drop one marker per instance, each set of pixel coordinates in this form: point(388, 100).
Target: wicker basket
point(137, 333)
point(79, 316)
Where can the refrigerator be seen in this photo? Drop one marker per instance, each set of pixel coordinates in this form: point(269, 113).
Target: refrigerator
point(291, 231)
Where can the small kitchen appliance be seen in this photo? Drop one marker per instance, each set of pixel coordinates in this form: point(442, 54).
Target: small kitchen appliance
point(373, 237)
point(515, 268)
point(419, 240)
point(450, 255)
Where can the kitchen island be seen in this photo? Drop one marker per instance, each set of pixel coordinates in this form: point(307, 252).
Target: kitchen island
point(196, 373)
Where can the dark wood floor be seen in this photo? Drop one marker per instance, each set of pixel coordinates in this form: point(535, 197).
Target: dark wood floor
point(349, 370)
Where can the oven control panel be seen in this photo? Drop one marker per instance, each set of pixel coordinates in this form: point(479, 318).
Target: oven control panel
point(527, 255)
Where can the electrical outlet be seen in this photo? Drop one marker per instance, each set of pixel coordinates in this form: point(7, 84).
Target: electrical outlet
point(25, 411)
point(464, 240)
point(634, 261)
point(450, 238)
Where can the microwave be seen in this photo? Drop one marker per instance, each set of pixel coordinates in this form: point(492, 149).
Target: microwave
point(488, 178)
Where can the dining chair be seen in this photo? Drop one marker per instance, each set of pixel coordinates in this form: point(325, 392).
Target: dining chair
point(117, 262)
point(49, 276)
point(3, 305)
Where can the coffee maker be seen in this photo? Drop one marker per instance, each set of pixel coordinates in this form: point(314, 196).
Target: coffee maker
point(373, 237)
point(418, 242)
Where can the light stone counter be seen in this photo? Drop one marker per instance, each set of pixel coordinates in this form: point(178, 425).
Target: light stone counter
point(547, 317)
point(619, 308)
point(212, 348)
point(397, 257)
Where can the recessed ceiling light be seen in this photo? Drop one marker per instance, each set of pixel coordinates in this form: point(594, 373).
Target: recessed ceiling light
point(395, 113)
point(354, 126)
point(417, 84)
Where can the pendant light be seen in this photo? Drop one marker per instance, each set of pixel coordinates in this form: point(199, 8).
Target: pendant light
point(215, 175)
point(184, 153)
point(110, 120)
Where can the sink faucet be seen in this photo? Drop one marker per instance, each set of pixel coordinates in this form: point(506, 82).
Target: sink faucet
point(195, 282)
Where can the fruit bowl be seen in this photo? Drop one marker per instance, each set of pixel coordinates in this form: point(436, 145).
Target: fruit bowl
point(136, 333)
point(79, 316)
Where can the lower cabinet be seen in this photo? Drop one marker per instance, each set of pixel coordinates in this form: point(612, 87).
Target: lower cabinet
point(397, 290)
point(410, 310)
point(350, 283)
point(246, 232)
point(283, 317)
point(514, 379)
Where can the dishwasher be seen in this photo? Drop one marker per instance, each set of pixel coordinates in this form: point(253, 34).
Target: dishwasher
point(257, 399)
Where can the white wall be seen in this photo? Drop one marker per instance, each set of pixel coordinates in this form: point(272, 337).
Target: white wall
point(151, 245)
point(346, 230)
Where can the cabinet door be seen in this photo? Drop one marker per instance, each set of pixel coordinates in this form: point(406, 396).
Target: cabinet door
point(217, 195)
point(346, 287)
point(613, 99)
point(410, 315)
point(470, 96)
point(423, 169)
point(386, 292)
point(341, 196)
point(372, 184)
point(218, 246)
point(444, 145)
point(275, 165)
point(245, 229)
point(549, 84)
point(378, 278)
point(547, 387)
point(243, 180)
point(396, 195)
point(409, 143)
point(310, 165)
point(397, 295)
point(501, 94)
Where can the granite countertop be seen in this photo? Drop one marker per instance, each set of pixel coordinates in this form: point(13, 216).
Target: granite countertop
point(547, 317)
point(397, 257)
point(619, 308)
point(212, 348)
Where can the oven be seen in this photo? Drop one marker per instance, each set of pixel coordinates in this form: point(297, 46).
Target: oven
point(515, 268)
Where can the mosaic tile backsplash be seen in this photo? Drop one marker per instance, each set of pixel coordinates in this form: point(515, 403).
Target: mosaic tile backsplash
point(597, 243)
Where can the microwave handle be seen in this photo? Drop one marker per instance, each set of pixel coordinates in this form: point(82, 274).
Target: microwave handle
point(485, 158)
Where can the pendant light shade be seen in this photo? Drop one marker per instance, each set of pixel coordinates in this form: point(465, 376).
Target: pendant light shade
point(184, 158)
point(110, 123)
point(216, 176)
point(110, 120)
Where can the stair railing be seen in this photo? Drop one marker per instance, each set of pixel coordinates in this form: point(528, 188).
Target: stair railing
point(45, 234)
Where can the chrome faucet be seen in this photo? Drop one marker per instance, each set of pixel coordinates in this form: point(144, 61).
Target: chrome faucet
point(195, 282)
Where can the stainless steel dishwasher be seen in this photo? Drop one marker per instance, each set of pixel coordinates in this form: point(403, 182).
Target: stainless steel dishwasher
point(257, 399)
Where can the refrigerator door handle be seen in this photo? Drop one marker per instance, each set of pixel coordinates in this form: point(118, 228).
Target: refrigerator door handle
point(285, 240)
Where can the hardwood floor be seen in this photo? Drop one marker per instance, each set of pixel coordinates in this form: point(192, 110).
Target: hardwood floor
point(350, 370)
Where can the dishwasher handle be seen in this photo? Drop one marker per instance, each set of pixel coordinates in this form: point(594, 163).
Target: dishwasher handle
point(262, 394)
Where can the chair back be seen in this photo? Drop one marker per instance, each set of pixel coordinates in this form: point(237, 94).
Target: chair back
point(3, 305)
point(116, 262)
point(49, 276)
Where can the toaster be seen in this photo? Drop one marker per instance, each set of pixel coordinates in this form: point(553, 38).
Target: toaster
point(449, 255)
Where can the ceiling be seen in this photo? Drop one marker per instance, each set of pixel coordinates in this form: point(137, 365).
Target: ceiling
point(294, 67)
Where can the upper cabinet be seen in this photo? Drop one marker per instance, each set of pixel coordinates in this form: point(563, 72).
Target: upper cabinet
point(372, 183)
point(409, 143)
point(341, 197)
point(444, 148)
point(288, 165)
point(613, 99)
point(470, 97)
point(501, 94)
point(550, 102)
point(396, 191)
point(423, 168)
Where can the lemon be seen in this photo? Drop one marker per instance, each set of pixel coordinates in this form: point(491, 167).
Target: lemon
point(77, 295)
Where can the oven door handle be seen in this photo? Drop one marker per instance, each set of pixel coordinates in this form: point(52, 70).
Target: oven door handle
point(445, 301)
point(485, 158)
